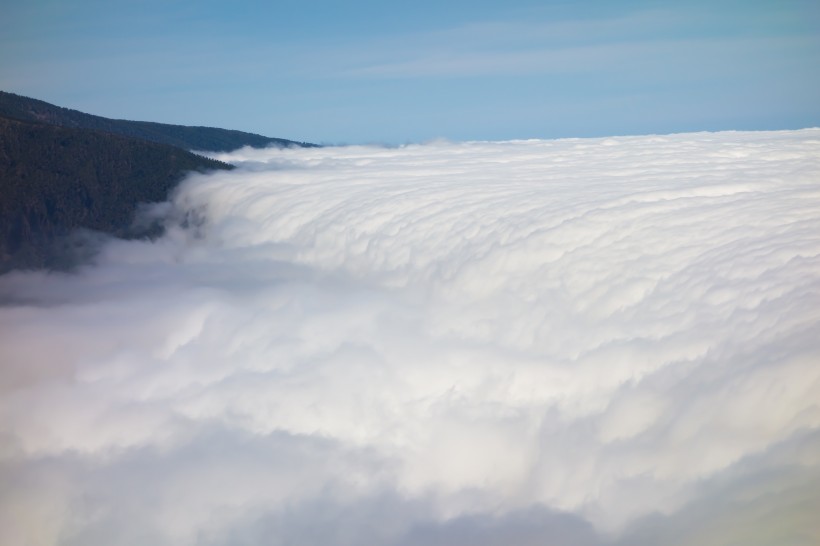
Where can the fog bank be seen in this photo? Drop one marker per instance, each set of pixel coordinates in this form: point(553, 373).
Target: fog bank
point(583, 341)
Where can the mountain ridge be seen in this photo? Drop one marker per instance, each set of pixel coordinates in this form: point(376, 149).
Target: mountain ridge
point(65, 172)
point(199, 138)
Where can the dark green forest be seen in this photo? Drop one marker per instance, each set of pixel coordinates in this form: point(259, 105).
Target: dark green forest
point(64, 172)
point(56, 179)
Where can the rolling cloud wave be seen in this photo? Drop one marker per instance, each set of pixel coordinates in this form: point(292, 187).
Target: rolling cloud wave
point(585, 341)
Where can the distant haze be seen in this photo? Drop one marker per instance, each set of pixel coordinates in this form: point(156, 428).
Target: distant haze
point(594, 341)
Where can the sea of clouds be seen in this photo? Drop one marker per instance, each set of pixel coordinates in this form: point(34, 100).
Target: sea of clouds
point(583, 341)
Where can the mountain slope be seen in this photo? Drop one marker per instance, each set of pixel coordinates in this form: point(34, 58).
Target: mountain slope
point(191, 138)
point(57, 179)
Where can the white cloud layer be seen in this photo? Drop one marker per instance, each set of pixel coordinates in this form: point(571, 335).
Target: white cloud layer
point(567, 342)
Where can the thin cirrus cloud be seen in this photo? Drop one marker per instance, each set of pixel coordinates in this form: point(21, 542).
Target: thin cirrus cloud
point(684, 42)
point(693, 59)
point(600, 341)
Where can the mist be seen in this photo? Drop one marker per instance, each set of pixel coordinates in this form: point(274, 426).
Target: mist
point(580, 341)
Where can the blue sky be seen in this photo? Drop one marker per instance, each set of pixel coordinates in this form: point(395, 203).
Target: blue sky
point(367, 71)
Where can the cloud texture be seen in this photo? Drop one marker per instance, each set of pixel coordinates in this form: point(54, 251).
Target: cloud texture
point(568, 342)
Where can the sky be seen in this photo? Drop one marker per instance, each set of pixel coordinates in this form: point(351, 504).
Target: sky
point(598, 342)
point(400, 72)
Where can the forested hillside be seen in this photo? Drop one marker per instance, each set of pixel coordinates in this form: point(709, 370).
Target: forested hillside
point(56, 179)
